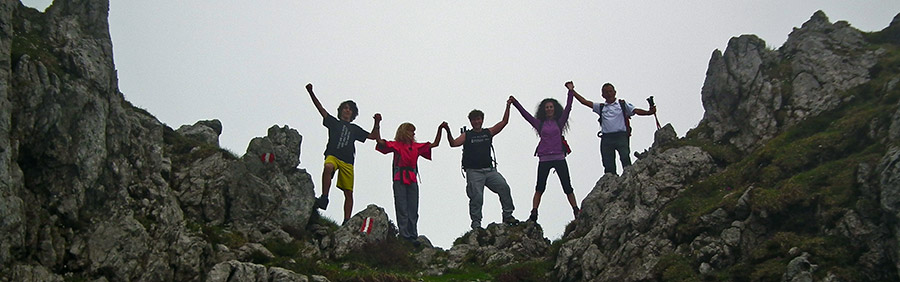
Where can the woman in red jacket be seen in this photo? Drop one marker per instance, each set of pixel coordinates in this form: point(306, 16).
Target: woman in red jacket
point(406, 188)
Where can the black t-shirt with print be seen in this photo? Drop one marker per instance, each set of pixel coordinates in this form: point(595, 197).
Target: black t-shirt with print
point(477, 149)
point(341, 135)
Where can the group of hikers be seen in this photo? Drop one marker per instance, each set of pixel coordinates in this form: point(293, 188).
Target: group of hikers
point(550, 121)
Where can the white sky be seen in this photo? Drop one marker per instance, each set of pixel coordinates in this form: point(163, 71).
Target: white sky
point(246, 64)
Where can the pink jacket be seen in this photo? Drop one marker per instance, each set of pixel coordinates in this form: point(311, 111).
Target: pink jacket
point(405, 158)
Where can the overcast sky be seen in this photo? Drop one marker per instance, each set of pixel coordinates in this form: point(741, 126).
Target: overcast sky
point(246, 64)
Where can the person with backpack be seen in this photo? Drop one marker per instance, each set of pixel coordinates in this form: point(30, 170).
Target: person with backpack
point(405, 174)
point(340, 150)
point(615, 125)
point(550, 121)
point(481, 168)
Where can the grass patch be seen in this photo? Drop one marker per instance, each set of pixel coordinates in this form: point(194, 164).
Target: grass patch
point(463, 274)
point(30, 39)
point(284, 249)
point(185, 151)
point(811, 164)
point(316, 218)
point(379, 277)
point(831, 253)
point(769, 270)
point(722, 154)
point(216, 234)
point(719, 190)
point(674, 267)
point(391, 254)
point(528, 271)
point(804, 180)
point(306, 266)
point(354, 271)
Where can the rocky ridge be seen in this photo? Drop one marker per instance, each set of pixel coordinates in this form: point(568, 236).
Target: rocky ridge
point(765, 194)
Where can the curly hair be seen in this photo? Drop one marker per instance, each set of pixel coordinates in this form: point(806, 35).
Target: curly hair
point(352, 106)
point(405, 133)
point(541, 114)
point(476, 114)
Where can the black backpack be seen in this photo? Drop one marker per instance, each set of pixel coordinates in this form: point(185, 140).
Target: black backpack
point(462, 167)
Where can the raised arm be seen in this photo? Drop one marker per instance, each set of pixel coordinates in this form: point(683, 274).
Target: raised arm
point(458, 141)
point(376, 129)
point(381, 145)
point(500, 125)
point(568, 107)
point(582, 100)
point(437, 138)
point(525, 114)
point(322, 111)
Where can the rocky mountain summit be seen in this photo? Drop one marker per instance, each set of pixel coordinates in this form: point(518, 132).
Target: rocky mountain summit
point(793, 174)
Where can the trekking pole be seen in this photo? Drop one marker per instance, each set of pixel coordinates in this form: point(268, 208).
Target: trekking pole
point(650, 100)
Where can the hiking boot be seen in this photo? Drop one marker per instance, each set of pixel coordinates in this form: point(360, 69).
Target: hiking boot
point(511, 220)
point(322, 202)
point(533, 216)
point(576, 211)
point(414, 241)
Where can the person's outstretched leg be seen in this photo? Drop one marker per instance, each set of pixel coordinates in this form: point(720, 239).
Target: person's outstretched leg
point(412, 209)
point(574, 204)
point(543, 170)
point(348, 204)
point(401, 208)
point(622, 146)
point(327, 175)
point(498, 185)
point(608, 155)
point(562, 170)
point(475, 192)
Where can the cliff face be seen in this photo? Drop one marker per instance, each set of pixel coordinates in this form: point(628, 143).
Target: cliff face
point(791, 175)
point(92, 186)
point(752, 93)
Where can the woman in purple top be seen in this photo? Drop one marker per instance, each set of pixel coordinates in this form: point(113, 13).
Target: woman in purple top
point(550, 120)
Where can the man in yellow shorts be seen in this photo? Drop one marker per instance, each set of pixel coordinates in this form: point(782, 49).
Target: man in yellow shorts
point(341, 150)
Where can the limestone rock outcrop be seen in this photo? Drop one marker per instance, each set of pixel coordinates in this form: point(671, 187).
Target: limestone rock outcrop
point(751, 92)
point(94, 187)
point(628, 232)
point(621, 233)
point(500, 244)
point(242, 271)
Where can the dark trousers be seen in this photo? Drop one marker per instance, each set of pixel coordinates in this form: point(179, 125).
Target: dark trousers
point(611, 143)
point(406, 204)
point(562, 169)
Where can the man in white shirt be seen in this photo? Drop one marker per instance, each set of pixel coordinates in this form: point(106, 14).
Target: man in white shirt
point(615, 127)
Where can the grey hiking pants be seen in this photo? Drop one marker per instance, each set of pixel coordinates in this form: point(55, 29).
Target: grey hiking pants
point(406, 204)
point(476, 179)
